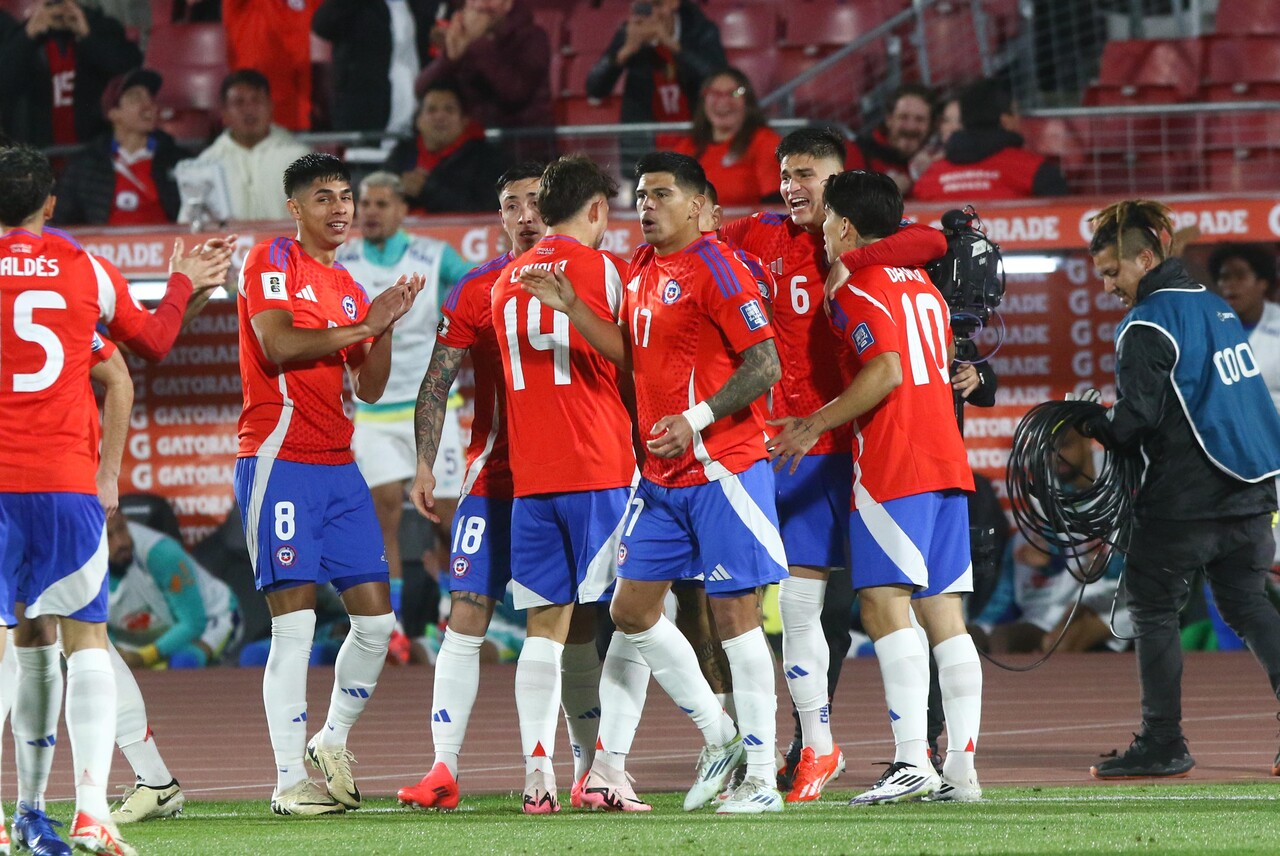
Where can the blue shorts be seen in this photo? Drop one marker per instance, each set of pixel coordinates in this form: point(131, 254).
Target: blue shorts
point(813, 507)
point(920, 540)
point(567, 546)
point(308, 523)
point(480, 558)
point(727, 531)
point(54, 548)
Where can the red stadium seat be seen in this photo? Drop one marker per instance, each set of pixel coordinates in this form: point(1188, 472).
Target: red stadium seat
point(760, 66)
point(1065, 140)
point(588, 30)
point(192, 58)
point(1247, 17)
point(820, 27)
point(750, 26)
point(19, 9)
point(954, 53)
point(1247, 130)
point(578, 110)
point(1240, 171)
point(551, 20)
point(178, 46)
point(1160, 71)
point(1244, 68)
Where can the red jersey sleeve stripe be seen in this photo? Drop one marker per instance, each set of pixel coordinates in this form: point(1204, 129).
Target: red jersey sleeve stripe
point(719, 270)
point(278, 254)
point(58, 233)
point(752, 265)
point(451, 302)
point(772, 219)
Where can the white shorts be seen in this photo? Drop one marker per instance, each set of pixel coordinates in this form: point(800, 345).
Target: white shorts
point(386, 453)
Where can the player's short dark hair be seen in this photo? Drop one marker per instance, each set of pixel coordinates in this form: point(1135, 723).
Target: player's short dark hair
point(1261, 259)
point(26, 180)
point(520, 172)
point(312, 167)
point(911, 90)
point(687, 172)
point(871, 201)
point(983, 103)
point(568, 184)
point(446, 86)
point(250, 77)
point(713, 196)
point(817, 143)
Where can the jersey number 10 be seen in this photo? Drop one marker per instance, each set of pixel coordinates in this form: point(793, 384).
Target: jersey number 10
point(557, 341)
point(26, 329)
point(926, 325)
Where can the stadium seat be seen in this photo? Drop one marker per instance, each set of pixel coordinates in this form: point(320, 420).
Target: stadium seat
point(1249, 130)
point(821, 27)
point(1241, 170)
point(1148, 71)
point(178, 46)
point(579, 110)
point(588, 30)
point(746, 26)
point(1247, 17)
point(759, 65)
point(18, 9)
point(551, 20)
point(1242, 68)
point(192, 58)
point(954, 53)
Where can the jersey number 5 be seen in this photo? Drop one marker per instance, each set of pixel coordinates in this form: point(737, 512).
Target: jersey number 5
point(557, 341)
point(24, 325)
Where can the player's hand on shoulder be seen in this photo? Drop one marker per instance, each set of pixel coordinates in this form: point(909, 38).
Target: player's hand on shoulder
point(422, 494)
point(672, 437)
point(794, 441)
point(552, 288)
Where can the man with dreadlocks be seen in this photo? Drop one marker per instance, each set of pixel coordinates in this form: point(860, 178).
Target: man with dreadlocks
point(1190, 398)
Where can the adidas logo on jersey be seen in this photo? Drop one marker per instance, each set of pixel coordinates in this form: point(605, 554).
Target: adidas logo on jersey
point(719, 575)
point(307, 294)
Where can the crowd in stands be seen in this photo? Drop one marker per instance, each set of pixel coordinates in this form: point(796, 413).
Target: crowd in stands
point(431, 77)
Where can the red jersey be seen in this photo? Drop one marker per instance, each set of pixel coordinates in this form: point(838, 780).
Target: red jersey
point(909, 443)
point(690, 314)
point(569, 430)
point(466, 321)
point(136, 200)
point(274, 37)
point(1009, 173)
point(740, 180)
point(812, 372)
point(49, 307)
point(294, 412)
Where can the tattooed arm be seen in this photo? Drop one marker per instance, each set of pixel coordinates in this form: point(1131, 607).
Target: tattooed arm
point(428, 423)
point(760, 370)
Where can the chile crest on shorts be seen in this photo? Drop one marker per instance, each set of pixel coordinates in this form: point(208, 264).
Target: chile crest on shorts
point(286, 556)
point(461, 566)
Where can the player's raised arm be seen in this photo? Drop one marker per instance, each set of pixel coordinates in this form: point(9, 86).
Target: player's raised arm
point(759, 371)
point(428, 423)
point(113, 374)
point(554, 290)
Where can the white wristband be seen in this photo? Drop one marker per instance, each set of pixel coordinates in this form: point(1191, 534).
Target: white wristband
point(699, 416)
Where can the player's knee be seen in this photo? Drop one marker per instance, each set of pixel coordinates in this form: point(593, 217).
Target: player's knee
point(373, 632)
point(631, 617)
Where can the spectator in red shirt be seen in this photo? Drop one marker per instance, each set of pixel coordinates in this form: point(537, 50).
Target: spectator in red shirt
point(274, 37)
point(985, 159)
point(449, 166)
point(53, 69)
point(500, 60)
point(890, 147)
point(733, 142)
point(124, 178)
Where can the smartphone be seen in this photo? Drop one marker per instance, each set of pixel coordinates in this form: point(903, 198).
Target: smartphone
point(642, 9)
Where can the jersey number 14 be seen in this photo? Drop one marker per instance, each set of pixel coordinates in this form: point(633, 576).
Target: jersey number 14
point(557, 341)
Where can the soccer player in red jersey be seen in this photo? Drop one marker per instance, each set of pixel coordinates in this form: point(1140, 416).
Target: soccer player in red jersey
point(572, 463)
point(815, 603)
point(307, 512)
point(480, 556)
point(909, 524)
point(700, 346)
point(53, 535)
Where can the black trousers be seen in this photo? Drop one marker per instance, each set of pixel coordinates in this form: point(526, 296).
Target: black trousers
point(1236, 555)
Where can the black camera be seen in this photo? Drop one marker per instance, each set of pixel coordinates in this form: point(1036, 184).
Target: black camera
point(971, 274)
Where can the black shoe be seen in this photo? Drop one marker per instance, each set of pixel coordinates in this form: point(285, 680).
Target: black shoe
point(786, 776)
point(1145, 758)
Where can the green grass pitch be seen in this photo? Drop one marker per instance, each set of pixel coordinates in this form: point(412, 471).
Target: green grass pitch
point(1148, 819)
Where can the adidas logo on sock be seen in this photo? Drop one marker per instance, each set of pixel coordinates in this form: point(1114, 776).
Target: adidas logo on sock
point(357, 692)
point(752, 740)
point(893, 717)
point(796, 672)
point(44, 742)
point(594, 713)
point(441, 715)
point(301, 718)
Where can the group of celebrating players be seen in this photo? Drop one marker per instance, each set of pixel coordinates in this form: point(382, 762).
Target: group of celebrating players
point(766, 402)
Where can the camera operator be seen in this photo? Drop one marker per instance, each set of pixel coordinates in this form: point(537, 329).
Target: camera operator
point(1191, 400)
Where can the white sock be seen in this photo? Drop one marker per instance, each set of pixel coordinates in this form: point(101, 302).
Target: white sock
point(454, 694)
point(727, 705)
point(580, 699)
point(133, 734)
point(624, 685)
point(538, 701)
point(805, 657)
point(91, 725)
point(36, 706)
point(960, 676)
point(754, 692)
point(355, 675)
point(904, 666)
point(675, 667)
point(284, 693)
point(8, 675)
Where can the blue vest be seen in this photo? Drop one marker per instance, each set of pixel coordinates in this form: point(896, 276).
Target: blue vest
point(1216, 378)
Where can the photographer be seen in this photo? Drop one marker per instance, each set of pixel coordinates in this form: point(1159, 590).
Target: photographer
point(1189, 399)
